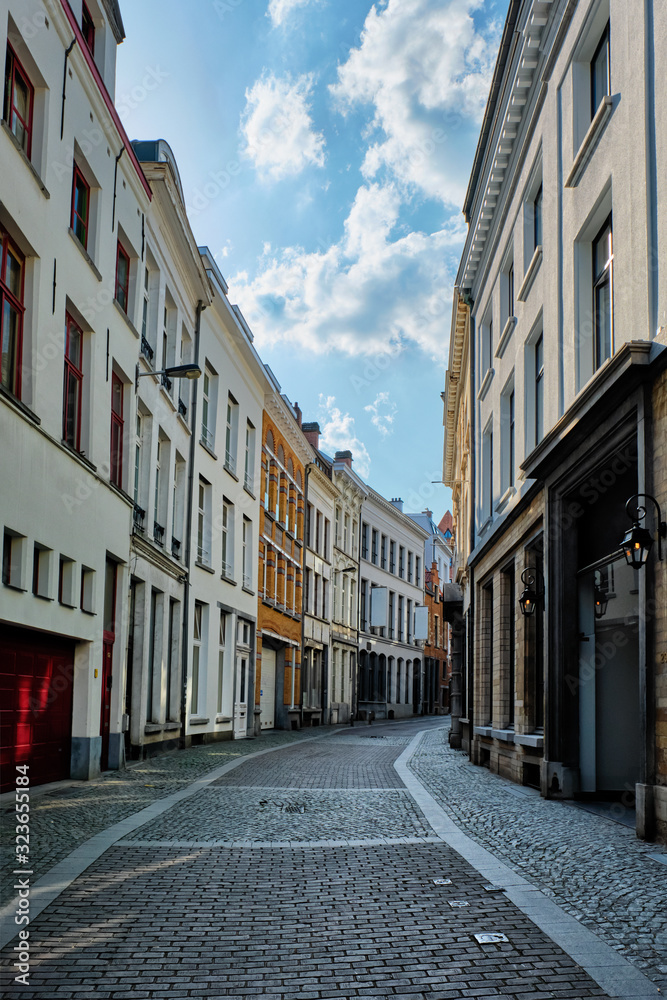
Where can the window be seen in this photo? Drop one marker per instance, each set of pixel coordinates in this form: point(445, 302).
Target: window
point(418, 571)
point(392, 557)
point(158, 527)
point(383, 552)
point(87, 602)
point(409, 636)
point(401, 562)
point(116, 471)
point(401, 618)
point(207, 434)
point(507, 436)
point(486, 337)
point(318, 530)
point(203, 511)
point(392, 613)
point(196, 655)
point(137, 459)
point(144, 314)
point(247, 553)
point(600, 72)
point(80, 214)
point(511, 437)
point(66, 581)
point(337, 527)
point(178, 505)
point(510, 290)
point(364, 541)
point(41, 568)
point(249, 470)
point(123, 277)
point(73, 384)
point(537, 219)
point(409, 567)
point(12, 269)
point(354, 538)
point(88, 29)
point(346, 533)
point(231, 434)
point(374, 546)
point(363, 599)
point(487, 470)
point(19, 102)
point(327, 529)
point(539, 389)
point(222, 642)
point(228, 539)
point(603, 322)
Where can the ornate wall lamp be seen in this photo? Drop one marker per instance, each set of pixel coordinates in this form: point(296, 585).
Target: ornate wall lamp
point(534, 588)
point(638, 541)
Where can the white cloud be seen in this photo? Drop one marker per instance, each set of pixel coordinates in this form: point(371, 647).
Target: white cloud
point(337, 434)
point(425, 68)
point(277, 126)
point(279, 10)
point(383, 421)
point(367, 294)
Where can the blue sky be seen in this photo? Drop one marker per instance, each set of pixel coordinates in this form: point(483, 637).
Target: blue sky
point(324, 148)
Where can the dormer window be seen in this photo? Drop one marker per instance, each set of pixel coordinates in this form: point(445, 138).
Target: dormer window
point(88, 29)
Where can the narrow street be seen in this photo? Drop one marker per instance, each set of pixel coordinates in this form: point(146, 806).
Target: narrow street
point(305, 865)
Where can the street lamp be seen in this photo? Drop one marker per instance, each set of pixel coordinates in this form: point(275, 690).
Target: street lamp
point(601, 601)
point(532, 591)
point(176, 371)
point(638, 542)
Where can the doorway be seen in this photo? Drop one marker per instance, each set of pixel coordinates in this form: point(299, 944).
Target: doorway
point(267, 691)
point(609, 706)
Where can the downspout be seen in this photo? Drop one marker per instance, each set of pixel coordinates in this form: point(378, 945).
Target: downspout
point(115, 183)
point(188, 537)
point(62, 111)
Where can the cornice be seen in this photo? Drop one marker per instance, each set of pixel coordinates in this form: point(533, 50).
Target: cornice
point(277, 410)
point(453, 383)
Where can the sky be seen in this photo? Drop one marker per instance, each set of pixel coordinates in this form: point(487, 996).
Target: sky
point(325, 148)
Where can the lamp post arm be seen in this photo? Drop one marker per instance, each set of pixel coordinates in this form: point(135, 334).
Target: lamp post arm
point(641, 514)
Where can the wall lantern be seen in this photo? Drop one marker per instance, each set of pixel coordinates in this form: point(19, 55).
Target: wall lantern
point(601, 602)
point(638, 541)
point(176, 371)
point(532, 591)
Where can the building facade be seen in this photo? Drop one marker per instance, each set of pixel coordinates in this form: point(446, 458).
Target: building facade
point(558, 306)
point(285, 454)
point(393, 620)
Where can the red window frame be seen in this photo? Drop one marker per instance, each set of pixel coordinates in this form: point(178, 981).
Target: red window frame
point(73, 379)
point(117, 426)
point(122, 287)
point(14, 67)
point(88, 28)
point(75, 216)
point(10, 371)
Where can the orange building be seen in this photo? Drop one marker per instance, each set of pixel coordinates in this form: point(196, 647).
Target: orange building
point(285, 452)
point(436, 650)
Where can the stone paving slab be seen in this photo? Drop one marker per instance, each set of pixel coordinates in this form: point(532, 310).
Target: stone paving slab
point(595, 869)
point(149, 923)
point(293, 814)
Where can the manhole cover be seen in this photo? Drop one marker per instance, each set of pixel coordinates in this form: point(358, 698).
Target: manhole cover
point(458, 902)
point(442, 881)
point(490, 938)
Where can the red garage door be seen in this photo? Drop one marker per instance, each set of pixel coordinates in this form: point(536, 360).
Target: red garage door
point(35, 705)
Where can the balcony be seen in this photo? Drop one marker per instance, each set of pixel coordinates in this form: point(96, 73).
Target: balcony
point(175, 547)
point(158, 533)
point(182, 408)
point(147, 350)
point(166, 382)
point(247, 581)
point(227, 571)
point(138, 515)
point(230, 462)
point(249, 483)
point(207, 438)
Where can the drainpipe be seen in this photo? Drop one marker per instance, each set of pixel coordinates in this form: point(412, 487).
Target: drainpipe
point(62, 111)
point(188, 536)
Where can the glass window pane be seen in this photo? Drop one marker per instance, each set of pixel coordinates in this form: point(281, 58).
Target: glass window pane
point(13, 271)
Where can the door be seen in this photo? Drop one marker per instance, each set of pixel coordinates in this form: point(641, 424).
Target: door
point(241, 704)
point(267, 692)
point(105, 718)
point(36, 682)
point(609, 710)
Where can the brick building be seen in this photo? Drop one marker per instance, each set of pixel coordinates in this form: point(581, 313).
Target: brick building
point(285, 453)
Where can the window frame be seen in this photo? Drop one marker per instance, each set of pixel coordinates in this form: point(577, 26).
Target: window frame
point(12, 64)
point(602, 279)
point(77, 175)
point(538, 219)
point(8, 246)
point(117, 427)
point(123, 288)
point(88, 28)
point(603, 43)
point(71, 371)
point(538, 352)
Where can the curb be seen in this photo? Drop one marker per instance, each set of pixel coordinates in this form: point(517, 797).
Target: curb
point(618, 977)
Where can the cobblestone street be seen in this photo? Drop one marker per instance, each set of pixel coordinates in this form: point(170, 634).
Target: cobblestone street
point(308, 869)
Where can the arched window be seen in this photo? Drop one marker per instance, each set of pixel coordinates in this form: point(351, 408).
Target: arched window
point(269, 440)
point(290, 467)
point(280, 455)
point(298, 479)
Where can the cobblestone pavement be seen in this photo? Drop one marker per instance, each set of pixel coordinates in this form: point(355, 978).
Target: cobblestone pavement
point(594, 868)
point(295, 917)
point(66, 817)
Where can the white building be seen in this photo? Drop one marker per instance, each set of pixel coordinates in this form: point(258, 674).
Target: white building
point(72, 190)
point(393, 620)
point(225, 526)
point(168, 290)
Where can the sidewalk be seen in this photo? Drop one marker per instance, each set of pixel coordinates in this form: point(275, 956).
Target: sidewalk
point(595, 869)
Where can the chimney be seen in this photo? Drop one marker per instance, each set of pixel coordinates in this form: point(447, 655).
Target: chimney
point(398, 503)
point(344, 456)
point(311, 432)
point(429, 513)
point(299, 415)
